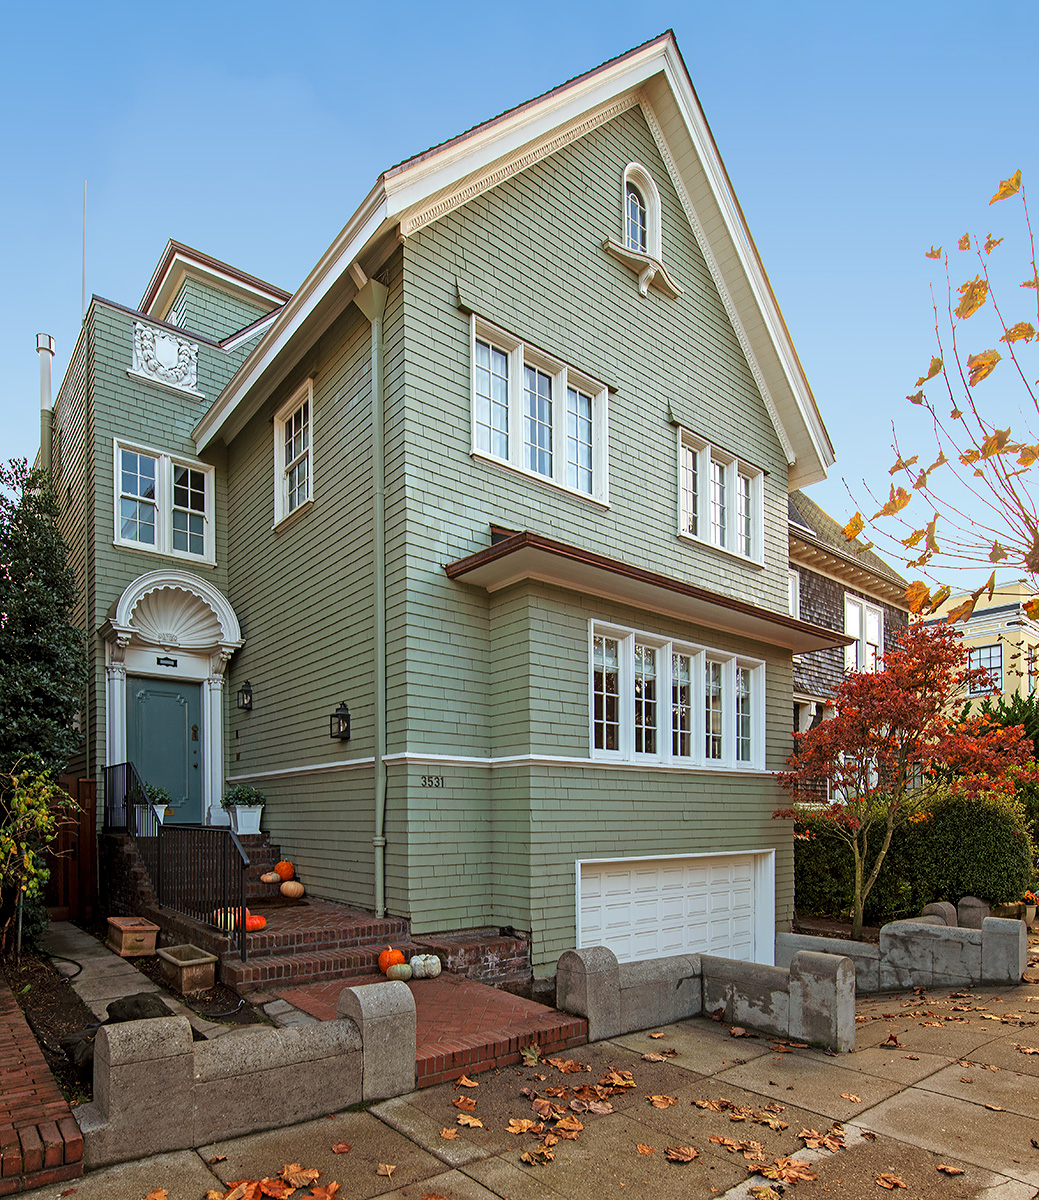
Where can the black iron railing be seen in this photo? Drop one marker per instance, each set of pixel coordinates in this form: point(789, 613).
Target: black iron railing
point(196, 870)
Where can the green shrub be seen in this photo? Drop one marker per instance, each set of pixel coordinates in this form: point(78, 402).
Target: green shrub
point(979, 846)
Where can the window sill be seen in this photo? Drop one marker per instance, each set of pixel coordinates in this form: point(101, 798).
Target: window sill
point(490, 459)
point(651, 271)
point(659, 764)
point(292, 517)
point(741, 558)
point(179, 556)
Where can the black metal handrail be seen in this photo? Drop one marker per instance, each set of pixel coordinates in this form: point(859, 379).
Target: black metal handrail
point(196, 870)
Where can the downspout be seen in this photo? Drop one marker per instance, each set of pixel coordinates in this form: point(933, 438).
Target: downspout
point(371, 300)
point(45, 349)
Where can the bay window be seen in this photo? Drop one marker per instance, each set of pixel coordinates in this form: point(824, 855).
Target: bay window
point(720, 498)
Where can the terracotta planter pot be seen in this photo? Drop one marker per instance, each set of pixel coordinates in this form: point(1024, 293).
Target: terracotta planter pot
point(131, 936)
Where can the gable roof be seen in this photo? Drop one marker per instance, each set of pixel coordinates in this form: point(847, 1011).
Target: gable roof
point(179, 261)
point(425, 187)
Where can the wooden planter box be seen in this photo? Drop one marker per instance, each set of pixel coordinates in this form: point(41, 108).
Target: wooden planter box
point(131, 936)
point(186, 969)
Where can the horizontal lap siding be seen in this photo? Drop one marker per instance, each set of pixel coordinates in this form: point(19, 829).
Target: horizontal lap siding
point(304, 595)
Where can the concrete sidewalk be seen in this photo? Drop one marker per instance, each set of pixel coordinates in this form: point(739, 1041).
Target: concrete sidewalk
point(938, 1078)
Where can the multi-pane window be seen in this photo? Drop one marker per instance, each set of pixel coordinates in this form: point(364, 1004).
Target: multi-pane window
point(989, 659)
point(162, 504)
point(721, 498)
point(635, 224)
point(865, 623)
point(537, 415)
point(674, 704)
point(293, 453)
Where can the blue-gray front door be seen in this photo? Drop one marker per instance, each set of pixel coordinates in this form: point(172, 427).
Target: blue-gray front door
point(164, 740)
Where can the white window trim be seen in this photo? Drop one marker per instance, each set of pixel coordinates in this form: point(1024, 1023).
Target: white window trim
point(700, 654)
point(282, 512)
point(733, 467)
point(635, 173)
point(164, 502)
point(982, 689)
point(852, 654)
point(794, 593)
point(563, 376)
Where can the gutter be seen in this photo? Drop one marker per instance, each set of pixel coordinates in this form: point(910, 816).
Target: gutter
point(371, 300)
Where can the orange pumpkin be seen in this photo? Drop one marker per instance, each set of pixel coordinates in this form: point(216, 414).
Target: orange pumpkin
point(292, 888)
point(388, 957)
point(253, 924)
point(284, 870)
point(270, 877)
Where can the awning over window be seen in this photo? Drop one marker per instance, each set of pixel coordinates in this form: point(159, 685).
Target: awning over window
point(531, 556)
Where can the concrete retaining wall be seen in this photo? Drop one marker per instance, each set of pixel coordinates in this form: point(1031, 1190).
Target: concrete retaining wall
point(155, 1089)
point(926, 952)
point(812, 1000)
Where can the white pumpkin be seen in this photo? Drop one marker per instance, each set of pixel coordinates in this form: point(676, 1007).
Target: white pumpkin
point(425, 966)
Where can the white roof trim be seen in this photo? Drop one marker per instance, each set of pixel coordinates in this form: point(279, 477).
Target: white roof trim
point(422, 189)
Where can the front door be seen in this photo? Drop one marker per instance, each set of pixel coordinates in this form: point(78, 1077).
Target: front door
point(164, 740)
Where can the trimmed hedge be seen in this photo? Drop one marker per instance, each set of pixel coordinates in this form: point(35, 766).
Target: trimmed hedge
point(964, 847)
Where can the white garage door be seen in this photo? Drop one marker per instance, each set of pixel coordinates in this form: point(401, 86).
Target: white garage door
point(647, 908)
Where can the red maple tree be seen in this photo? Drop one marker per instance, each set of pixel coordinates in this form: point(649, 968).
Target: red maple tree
point(893, 732)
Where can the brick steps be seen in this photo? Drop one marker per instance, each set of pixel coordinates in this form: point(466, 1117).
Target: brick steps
point(307, 966)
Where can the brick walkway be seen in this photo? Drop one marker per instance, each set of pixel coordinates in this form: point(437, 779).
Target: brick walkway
point(462, 1026)
point(40, 1142)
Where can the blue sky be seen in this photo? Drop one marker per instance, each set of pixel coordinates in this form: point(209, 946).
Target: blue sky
point(855, 136)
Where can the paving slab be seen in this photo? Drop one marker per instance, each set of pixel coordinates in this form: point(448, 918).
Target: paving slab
point(425, 1129)
point(451, 1183)
point(264, 1154)
point(183, 1174)
point(1006, 1089)
point(947, 1125)
point(703, 1046)
point(1003, 1052)
point(899, 1066)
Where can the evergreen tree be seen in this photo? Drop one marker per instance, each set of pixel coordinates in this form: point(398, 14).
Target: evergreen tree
point(41, 652)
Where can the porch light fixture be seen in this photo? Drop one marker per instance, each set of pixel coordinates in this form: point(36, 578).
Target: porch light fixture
point(245, 697)
point(339, 723)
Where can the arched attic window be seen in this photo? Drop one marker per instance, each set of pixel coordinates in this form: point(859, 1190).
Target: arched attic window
point(641, 243)
point(641, 212)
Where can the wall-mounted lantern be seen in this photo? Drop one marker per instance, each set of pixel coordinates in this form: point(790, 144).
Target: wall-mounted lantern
point(339, 723)
point(245, 697)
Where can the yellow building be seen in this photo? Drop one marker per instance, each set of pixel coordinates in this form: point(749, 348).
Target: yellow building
point(1002, 640)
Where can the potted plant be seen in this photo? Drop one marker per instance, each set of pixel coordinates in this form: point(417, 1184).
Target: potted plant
point(159, 799)
point(1031, 900)
point(245, 803)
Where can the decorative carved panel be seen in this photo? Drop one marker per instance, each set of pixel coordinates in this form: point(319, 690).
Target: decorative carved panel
point(161, 356)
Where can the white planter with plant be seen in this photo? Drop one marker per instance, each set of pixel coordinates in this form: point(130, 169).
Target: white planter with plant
point(159, 799)
point(245, 804)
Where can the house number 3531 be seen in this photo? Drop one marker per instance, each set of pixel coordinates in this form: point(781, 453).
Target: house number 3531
point(432, 781)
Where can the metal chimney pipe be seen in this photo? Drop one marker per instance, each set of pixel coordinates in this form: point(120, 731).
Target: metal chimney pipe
point(45, 349)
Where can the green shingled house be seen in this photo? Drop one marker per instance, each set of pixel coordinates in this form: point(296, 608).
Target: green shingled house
point(506, 476)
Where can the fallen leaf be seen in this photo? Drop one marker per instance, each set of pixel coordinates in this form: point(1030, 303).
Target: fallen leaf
point(618, 1079)
point(814, 1140)
point(568, 1124)
point(449, 1134)
point(158, 1194)
point(298, 1176)
point(530, 1055)
point(892, 1040)
point(472, 1122)
point(276, 1189)
point(341, 1148)
point(786, 1170)
point(656, 1035)
point(852, 1097)
point(568, 1065)
point(538, 1157)
point(995, 1108)
point(465, 1081)
point(466, 1102)
point(217, 1158)
point(662, 1101)
point(523, 1125)
point(1027, 1049)
point(680, 1154)
point(870, 1137)
point(890, 1182)
point(912, 1057)
point(644, 1149)
point(600, 1108)
point(946, 1169)
point(766, 1192)
point(386, 1169)
point(327, 1192)
point(966, 1079)
point(434, 1196)
point(659, 1057)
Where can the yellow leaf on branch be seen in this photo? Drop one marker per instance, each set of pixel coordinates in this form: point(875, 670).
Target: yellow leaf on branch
point(997, 553)
point(898, 499)
point(1008, 187)
point(961, 612)
point(916, 398)
point(918, 594)
point(932, 253)
point(996, 443)
point(939, 597)
point(854, 527)
point(1023, 331)
point(1031, 608)
point(932, 370)
point(964, 242)
point(1027, 456)
point(914, 539)
point(940, 461)
point(981, 365)
point(903, 464)
point(991, 243)
point(930, 544)
point(970, 457)
point(974, 293)
point(920, 481)
point(1031, 283)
